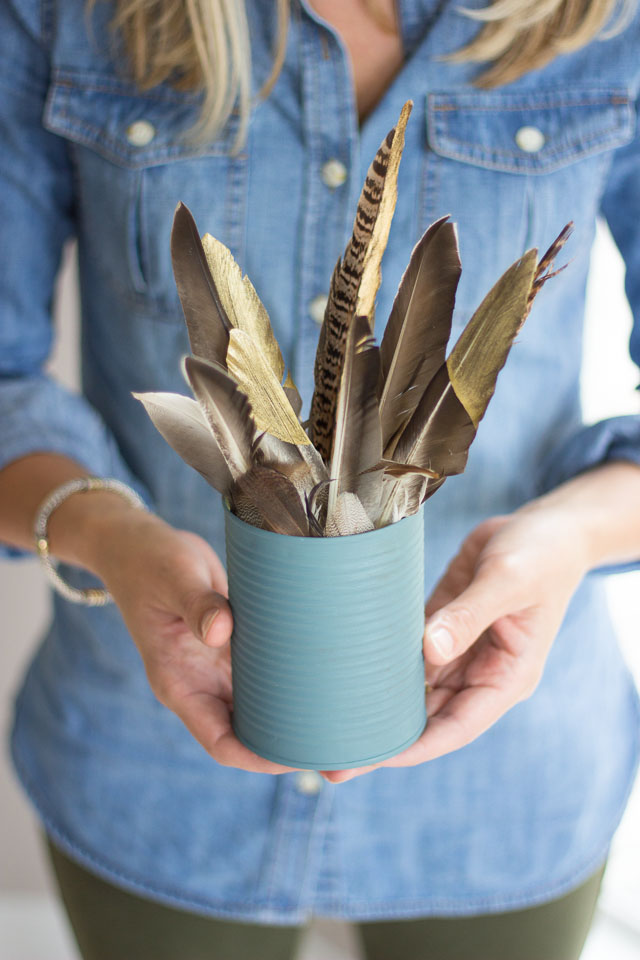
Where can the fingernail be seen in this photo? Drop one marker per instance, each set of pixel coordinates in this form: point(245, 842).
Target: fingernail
point(441, 641)
point(208, 620)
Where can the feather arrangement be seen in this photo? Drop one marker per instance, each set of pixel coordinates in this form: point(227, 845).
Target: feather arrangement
point(387, 424)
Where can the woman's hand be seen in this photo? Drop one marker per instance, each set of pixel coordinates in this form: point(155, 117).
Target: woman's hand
point(171, 589)
point(491, 621)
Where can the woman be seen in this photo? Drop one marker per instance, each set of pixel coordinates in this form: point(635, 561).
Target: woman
point(488, 836)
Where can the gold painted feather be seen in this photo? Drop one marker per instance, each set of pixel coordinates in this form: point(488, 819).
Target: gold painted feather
point(243, 306)
point(271, 408)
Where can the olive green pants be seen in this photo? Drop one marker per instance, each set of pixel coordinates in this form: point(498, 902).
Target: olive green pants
point(111, 924)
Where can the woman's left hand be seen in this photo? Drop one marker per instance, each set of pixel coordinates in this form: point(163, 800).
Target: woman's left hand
point(490, 624)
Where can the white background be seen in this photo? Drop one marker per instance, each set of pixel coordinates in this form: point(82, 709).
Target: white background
point(32, 926)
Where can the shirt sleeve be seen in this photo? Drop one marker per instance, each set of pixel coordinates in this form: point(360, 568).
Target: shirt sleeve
point(36, 218)
point(616, 438)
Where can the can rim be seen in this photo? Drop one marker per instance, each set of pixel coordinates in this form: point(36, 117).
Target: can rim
point(232, 518)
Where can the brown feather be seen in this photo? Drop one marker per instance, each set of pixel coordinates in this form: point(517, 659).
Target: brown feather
point(276, 500)
point(207, 322)
point(358, 437)
point(444, 423)
point(343, 294)
point(415, 338)
point(227, 410)
point(543, 270)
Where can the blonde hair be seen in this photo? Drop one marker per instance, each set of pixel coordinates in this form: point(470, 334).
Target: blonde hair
point(203, 45)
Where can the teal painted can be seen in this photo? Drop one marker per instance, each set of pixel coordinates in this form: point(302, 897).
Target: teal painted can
point(326, 652)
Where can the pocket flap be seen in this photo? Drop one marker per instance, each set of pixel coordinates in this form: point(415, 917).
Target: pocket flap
point(126, 126)
point(528, 131)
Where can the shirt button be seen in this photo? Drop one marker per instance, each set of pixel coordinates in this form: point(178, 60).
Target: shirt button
point(140, 133)
point(317, 307)
point(334, 173)
point(308, 781)
point(530, 139)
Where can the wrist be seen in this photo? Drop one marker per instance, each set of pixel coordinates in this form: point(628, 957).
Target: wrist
point(83, 528)
point(599, 511)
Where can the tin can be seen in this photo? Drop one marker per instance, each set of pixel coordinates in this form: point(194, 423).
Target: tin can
point(326, 652)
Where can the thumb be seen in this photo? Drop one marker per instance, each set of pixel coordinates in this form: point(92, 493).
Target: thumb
point(208, 616)
point(456, 626)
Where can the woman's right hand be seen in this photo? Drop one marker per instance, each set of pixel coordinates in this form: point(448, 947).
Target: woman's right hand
point(171, 589)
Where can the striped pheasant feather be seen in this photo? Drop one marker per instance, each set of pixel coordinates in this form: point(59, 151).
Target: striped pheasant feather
point(344, 288)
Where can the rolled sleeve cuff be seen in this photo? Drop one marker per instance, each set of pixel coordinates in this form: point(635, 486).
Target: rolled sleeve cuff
point(37, 415)
point(617, 438)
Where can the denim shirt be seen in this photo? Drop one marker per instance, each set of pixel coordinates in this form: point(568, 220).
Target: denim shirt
point(527, 810)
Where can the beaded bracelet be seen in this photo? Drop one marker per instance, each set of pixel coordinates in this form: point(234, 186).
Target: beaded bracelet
point(92, 597)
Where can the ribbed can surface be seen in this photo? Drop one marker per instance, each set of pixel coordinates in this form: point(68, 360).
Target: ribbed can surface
point(326, 652)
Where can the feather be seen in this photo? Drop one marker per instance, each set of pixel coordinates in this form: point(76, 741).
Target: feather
point(413, 492)
point(244, 308)
point(288, 458)
point(371, 273)
point(358, 438)
point(317, 502)
point(316, 529)
point(444, 423)
point(415, 338)
point(245, 508)
point(276, 500)
point(482, 348)
point(543, 270)
point(343, 294)
point(184, 426)
point(456, 399)
point(227, 410)
point(271, 409)
point(207, 321)
point(349, 517)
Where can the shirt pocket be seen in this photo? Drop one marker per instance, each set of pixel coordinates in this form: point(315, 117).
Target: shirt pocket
point(512, 167)
point(132, 166)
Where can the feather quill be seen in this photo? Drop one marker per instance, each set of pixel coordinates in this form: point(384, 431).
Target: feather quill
point(415, 338)
point(358, 437)
point(207, 321)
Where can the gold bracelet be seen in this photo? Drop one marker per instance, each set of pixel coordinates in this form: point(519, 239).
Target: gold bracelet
point(92, 597)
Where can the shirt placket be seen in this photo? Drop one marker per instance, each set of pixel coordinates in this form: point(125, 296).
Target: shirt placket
point(331, 175)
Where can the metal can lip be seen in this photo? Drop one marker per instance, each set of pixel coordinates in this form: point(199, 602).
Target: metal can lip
point(265, 534)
